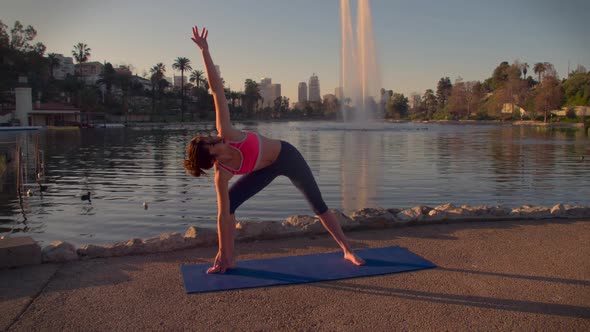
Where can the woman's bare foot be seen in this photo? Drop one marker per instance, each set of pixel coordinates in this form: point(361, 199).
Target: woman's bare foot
point(354, 258)
point(222, 263)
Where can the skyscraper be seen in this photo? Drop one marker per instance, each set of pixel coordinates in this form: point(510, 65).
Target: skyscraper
point(314, 88)
point(269, 92)
point(302, 92)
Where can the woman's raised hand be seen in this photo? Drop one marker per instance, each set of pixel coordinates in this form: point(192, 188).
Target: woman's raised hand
point(200, 40)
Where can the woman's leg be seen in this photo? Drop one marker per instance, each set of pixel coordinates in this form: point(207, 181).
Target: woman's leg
point(300, 174)
point(249, 185)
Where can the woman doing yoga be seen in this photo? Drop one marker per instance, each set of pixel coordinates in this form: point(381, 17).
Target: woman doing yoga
point(258, 159)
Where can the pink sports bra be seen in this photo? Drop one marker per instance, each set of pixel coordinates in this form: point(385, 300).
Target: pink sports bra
point(249, 149)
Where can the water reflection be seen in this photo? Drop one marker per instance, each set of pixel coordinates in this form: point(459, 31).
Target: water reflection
point(360, 169)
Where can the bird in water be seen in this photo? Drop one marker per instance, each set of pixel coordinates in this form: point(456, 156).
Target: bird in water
point(86, 197)
point(145, 205)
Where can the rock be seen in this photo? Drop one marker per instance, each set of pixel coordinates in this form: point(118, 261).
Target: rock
point(303, 224)
point(558, 211)
point(577, 211)
point(257, 230)
point(200, 237)
point(164, 242)
point(344, 220)
point(92, 251)
point(130, 247)
point(59, 251)
point(499, 212)
point(531, 212)
point(373, 218)
point(417, 213)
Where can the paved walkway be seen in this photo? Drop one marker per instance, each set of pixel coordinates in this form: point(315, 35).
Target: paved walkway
point(516, 275)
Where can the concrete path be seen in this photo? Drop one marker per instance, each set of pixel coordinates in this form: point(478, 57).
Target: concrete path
point(514, 275)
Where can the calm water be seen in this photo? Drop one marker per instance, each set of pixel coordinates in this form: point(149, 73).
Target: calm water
point(395, 165)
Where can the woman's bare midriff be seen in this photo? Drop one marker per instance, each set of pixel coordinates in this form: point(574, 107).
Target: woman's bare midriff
point(270, 149)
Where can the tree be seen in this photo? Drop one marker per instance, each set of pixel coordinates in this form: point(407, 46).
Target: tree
point(524, 69)
point(53, 62)
point(539, 69)
point(397, 106)
point(182, 64)
point(251, 96)
point(549, 95)
point(443, 91)
point(577, 89)
point(197, 77)
point(122, 80)
point(81, 53)
point(457, 105)
point(157, 76)
point(20, 38)
point(429, 103)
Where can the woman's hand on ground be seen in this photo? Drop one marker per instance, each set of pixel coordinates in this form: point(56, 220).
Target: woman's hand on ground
point(200, 39)
point(222, 263)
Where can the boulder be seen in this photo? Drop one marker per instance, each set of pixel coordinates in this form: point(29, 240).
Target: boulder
point(129, 247)
point(93, 251)
point(302, 224)
point(258, 230)
point(164, 242)
point(344, 220)
point(531, 212)
point(577, 211)
point(200, 237)
point(373, 218)
point(59, 251)
point(417, 213)
point(558, 211)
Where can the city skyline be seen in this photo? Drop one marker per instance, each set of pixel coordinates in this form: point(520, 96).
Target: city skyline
point(417, 42)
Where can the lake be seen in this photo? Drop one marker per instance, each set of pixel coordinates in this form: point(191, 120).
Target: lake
point(390, 165)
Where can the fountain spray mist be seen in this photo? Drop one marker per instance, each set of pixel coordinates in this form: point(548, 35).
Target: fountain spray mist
point(359, 72)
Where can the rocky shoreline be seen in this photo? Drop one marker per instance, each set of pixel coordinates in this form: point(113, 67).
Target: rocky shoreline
point(368, 218)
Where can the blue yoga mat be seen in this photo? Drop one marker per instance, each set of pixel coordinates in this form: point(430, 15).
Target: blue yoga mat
point(301, 269)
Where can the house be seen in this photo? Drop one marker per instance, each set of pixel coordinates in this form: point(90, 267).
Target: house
point(511, 108)
point(54, 115)
point(47, 114)
point(89, 71)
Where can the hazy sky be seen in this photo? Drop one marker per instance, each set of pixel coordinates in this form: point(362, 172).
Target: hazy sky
point(417, 41)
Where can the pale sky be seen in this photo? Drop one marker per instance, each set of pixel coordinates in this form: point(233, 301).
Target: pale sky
point(417, 41)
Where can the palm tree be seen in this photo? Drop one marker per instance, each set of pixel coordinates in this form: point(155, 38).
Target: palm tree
point(525, 67)
point(81, 52)
point(197, 77)
point(53, 62)
point(182, 64)
point(157, 72)
point(539, 69)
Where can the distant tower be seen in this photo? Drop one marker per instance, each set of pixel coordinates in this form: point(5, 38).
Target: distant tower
point(302, 95)
point(314, 88)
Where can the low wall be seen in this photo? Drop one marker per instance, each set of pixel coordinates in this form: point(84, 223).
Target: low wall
point(298, 225)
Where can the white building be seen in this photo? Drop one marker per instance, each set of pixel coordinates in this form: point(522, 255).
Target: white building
point(302, 92)
point(314, 88)
point(65, 67)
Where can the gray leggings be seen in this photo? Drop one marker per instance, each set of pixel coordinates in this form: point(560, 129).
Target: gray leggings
point(289, 163)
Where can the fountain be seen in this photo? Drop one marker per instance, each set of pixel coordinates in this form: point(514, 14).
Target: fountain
point(359, 74)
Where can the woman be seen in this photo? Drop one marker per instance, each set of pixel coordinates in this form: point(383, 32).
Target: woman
point(259, 159)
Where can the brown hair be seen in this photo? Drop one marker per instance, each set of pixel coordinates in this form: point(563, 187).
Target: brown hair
point(198, 156)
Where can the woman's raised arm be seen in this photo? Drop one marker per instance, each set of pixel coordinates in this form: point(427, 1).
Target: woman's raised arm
point(222, 119)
